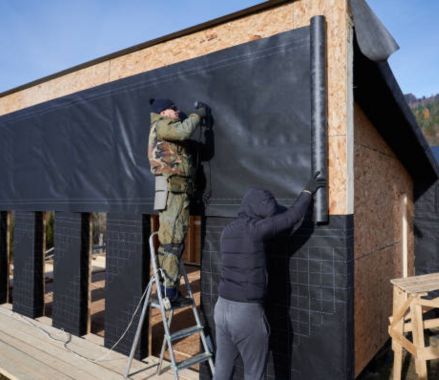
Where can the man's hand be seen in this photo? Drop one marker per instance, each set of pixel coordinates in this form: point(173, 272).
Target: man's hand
point(201, 112)
point(201, 109)
point(315, 183)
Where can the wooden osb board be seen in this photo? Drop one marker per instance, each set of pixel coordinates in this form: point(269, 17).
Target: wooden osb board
point(418, 284)
point(380, 183)
point(68, 84)
point(259, 25)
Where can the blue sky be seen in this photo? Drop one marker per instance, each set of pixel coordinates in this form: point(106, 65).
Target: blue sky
point(41, 37)
point(415, 26)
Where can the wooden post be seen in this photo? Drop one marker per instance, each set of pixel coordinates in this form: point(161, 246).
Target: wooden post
point(418, 338)
point(404, 237)
point(398, 300)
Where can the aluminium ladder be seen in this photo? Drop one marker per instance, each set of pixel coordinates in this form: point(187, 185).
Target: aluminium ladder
point(159, 303)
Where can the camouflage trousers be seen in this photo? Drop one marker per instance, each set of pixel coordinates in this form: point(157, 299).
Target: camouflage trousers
point(174, 221)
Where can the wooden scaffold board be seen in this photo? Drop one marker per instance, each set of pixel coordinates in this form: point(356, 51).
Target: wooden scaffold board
point(32, 349)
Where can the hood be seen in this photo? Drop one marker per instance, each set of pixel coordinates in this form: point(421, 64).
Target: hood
point(259, 203)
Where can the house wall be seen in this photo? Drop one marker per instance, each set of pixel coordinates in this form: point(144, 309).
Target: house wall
point(380, 184)
point(275, 20)
point(316, 310)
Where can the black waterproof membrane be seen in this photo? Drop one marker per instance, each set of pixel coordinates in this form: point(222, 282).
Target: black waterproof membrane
point(427, 228)
point(88, 151)
point(374, 40)
point(309, 305)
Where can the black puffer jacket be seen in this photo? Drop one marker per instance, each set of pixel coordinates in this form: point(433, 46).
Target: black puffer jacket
point(244, 272)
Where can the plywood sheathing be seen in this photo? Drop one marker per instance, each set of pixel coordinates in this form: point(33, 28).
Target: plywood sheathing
point(67, 84)
point(380, 184)
point(259, 25)
point(204, 42)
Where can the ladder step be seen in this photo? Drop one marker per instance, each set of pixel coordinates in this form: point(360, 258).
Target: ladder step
point(194, 360)
point(176, 305)
point(155, 303)
point(185, 332)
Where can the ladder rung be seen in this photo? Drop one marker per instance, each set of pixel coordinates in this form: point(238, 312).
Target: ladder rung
point(185, 332)
point(194, 360)
point(156, 304)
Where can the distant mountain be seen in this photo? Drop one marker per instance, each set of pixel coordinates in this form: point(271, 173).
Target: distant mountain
point(426, 111)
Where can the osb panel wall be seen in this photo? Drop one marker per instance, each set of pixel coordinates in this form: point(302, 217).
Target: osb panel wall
point(380, 184)
point(67, 84)
point(263, 24)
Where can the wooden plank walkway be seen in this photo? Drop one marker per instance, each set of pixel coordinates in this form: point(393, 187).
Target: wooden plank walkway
point(32, 349)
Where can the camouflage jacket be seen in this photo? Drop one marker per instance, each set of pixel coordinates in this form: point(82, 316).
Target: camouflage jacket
point(166, 153)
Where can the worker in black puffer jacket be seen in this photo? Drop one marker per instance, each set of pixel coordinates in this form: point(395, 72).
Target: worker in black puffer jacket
point(241, 325)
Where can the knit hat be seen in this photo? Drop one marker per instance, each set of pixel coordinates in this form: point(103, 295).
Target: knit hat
point(159, 105)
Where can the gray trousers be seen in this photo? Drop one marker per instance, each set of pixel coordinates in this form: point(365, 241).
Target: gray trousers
point(241, 329)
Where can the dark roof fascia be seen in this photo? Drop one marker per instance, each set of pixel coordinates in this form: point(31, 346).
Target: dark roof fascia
point(184, 32)
point(410, 117)
point(435, 151)
point(379, 95)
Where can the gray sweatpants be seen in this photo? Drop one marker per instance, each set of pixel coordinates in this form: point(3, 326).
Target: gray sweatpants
point(241, 328)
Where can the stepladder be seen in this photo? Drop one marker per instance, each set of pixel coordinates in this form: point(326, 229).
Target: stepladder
point(411, 300)
point(167, 310)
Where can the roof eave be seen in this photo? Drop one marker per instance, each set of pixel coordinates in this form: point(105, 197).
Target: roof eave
point(379, 95)
point(205, 25)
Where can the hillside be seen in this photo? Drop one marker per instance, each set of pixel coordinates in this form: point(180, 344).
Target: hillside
point(426, 111)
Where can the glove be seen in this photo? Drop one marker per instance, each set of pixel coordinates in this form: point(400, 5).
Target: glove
point(201, 109)
point(315, 183)
point(201, 112)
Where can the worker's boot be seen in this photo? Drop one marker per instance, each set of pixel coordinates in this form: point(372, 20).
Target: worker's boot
point(175, 296)
point(169, 260)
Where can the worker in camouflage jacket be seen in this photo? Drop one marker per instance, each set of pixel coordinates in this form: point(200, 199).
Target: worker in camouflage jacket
point(171, 165)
